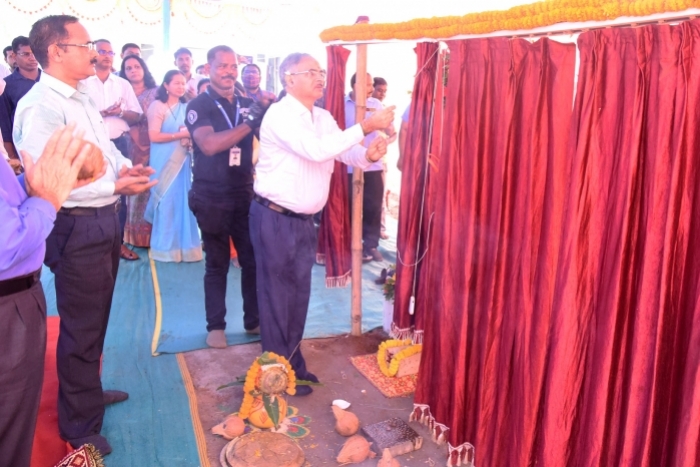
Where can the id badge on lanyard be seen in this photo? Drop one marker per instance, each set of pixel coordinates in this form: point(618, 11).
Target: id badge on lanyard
point(234, 154)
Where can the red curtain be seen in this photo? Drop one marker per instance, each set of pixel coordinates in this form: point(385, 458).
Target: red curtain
point(413, 221)
point(334, 232)
point(488, 279)
point(560, 306)
point(623, 375)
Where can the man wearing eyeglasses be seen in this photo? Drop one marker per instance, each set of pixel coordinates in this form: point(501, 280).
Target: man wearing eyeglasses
point(83, 248)
point(17, 85)
point(119, 108)
point(298, 146)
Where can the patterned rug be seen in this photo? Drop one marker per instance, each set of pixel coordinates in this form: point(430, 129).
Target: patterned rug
point(390, 387)
point(85, 456)
point(294, 425)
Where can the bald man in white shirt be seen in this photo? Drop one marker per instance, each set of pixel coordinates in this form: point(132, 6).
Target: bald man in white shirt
point(298, 146)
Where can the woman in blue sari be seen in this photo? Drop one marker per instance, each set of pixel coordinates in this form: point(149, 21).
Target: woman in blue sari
point(175, 236)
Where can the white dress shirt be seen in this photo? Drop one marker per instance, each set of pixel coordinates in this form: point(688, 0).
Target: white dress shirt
point(51, 103)
point(106, 94)
point(4, 71)
point(3, 152)
point(297, 153)
point(372, 105)
point(193, 82)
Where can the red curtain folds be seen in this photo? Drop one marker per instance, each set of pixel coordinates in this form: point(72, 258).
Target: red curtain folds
point(623, 375)
point(412, 184)
point(487, 281)
point(334, 232)
point(564, 275)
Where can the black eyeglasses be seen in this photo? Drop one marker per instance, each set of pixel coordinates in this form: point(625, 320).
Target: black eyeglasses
point(106, 52)
point(88, 45)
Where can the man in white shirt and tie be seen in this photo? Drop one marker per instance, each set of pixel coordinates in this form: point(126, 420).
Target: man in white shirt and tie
point(298, 146)
point(82, 250)
point(117, 103)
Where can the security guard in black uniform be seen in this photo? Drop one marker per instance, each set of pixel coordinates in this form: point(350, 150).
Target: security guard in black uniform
point(222, 127)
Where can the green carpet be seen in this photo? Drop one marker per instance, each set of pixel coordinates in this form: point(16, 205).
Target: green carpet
point(183, 324)
point(154, 426)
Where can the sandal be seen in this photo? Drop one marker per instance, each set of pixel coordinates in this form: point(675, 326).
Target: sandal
point(128, 254)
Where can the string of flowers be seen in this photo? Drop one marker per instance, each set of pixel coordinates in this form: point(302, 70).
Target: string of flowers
point(521, 17)
point(391, 368)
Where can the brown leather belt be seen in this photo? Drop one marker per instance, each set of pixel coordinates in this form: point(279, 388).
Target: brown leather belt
point(110, 209)
point(277, 208)
point(19, 284)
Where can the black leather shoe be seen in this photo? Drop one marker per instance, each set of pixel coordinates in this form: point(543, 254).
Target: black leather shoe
point(112, 397)
point(304, 390)
point(309, 377)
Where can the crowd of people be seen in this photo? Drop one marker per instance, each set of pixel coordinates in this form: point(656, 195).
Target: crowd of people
point(112, 159)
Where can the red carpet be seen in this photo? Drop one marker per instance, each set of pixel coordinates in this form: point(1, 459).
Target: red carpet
point(48, 448)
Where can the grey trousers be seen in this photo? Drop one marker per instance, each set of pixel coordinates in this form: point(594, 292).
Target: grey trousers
point(22, 350)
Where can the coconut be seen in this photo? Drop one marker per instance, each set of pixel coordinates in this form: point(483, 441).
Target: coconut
point(273, 380)
point(346, 423)
point(93, 163)
point(231, 427)
point(356, 449)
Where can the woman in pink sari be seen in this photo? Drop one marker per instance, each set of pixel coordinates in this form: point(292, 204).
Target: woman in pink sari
point(137, 231)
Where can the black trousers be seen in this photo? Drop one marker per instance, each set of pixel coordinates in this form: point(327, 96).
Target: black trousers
point(83, 253)
point(122, 144)
point(285, 250)
point(372, 196)
point(22, 346)
point(217, 223)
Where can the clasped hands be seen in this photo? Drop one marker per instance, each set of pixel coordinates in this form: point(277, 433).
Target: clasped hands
point(57, 172)
point(113, 110)
point(134, 180)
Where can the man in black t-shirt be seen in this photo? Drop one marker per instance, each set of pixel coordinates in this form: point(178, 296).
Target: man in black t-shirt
point(222, 127)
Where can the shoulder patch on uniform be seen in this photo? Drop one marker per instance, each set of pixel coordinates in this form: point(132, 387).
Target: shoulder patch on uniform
point(192, 116)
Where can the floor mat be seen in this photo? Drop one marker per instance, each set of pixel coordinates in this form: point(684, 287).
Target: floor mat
point(154, 426)
point(181, 325)
point(390, 387)
point(48, 447)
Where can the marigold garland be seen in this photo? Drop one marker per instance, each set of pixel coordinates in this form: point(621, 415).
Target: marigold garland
point(251, 387)
point(521, 17)
point(390, 369)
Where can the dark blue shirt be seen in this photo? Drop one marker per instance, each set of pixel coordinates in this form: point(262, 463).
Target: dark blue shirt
point(211, 175)
point(16, 86)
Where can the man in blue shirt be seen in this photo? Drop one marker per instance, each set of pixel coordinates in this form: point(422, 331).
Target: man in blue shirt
point(17, 85)
point(28, 208)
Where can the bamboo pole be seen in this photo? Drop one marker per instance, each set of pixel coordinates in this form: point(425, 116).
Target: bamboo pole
point(357, 187)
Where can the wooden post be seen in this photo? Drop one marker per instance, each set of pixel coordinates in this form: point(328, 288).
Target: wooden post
point(357, 187)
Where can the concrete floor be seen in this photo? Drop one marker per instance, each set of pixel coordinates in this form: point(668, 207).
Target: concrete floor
point(329, 359)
